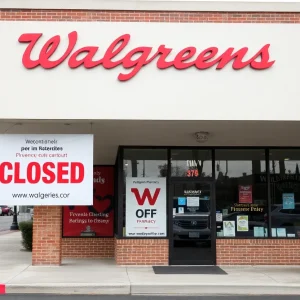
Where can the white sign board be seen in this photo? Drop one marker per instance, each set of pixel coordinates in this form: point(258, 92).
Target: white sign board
point(146, 207)
point(46, 169)
point(189, 64)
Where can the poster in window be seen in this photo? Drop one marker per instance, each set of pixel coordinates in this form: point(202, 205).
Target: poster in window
point(291, 235)
point(288, 201)
point(181, 210)
point(245, 193)
point(181, 201)
point(259, 231)
point(146, 214)
point(242, 223)
point(193, 201)
point(219, 217)
point(225, 212)
point(96, 220)
point(229, 228)
point(281, 232)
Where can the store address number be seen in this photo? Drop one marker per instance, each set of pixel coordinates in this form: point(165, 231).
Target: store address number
point(192, 173)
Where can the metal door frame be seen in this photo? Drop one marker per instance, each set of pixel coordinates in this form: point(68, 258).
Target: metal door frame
point(213, 220)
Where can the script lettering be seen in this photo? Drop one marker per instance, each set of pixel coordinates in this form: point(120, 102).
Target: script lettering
point(202, 61)
point(184, 55)
point(87, 60)
point(135, 59)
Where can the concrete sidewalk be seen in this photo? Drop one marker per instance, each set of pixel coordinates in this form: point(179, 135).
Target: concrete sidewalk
point(104, 277)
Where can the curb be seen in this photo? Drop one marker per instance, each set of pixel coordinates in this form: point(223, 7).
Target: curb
point(3, 232)
point(214, 290)
point(67, 289)
point(151, 289)
point(2, 289)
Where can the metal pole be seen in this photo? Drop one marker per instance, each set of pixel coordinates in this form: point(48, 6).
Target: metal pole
point(14, 225)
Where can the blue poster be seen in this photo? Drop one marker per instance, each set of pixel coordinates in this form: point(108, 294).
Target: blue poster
point(281, 232)
point(181, 201)
point(288, 201)
point(259, 231)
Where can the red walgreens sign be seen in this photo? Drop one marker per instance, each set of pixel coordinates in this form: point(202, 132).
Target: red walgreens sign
point(186, 58)
point(96, 220)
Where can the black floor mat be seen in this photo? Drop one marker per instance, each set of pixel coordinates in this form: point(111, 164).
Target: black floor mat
point(210, 270)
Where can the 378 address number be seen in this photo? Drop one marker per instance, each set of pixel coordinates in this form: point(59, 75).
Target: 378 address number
point(192, 173)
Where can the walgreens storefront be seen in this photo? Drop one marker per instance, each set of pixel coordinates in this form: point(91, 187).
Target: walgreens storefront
point(217, 205)
point(168, 137)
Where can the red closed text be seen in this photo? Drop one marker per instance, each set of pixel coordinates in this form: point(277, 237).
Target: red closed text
point(48, 172)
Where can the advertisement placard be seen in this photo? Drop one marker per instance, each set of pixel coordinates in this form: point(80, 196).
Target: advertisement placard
point(229, 228)
point(245, 193)
point(242, 223)
point(96, 220)
point(288, 201)
point(145, 207)
point(46, 169)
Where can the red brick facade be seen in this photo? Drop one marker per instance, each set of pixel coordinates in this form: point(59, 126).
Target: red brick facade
point(88, 247)
point(147, 16)
point(142, 252)
point(258, 252)
point(47, 228)
point(49, 247)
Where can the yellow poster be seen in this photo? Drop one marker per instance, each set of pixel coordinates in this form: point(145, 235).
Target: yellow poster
point(242, 223)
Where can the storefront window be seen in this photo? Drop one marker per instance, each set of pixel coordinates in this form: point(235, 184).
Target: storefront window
point(285, 193)
point(145, 196)
point(145, 162)
point(191, 163)
point(241, 193)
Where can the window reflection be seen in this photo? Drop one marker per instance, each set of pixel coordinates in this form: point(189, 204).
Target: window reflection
point(285, 193)
point(240, 186)
point(241, 195)
point(191, 163)
point(143, 163)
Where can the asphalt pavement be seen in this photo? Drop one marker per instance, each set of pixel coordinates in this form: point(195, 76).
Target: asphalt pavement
point(5, 222)
point(83, 297)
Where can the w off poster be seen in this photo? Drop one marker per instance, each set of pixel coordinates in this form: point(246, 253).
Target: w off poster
point(146, 207)
point(96, 220)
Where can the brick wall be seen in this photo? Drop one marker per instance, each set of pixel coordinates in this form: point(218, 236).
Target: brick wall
point(47, 226)
point(88, 247)
point(142, 252)
point(258, 252)
point(147, 16)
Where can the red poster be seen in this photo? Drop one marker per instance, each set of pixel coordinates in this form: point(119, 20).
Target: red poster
point(245, 193)
point(96, 220)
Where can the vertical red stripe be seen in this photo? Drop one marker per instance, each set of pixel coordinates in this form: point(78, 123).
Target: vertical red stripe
point(2, 289)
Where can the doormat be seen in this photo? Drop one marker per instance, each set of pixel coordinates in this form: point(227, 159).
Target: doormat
point(209, 270)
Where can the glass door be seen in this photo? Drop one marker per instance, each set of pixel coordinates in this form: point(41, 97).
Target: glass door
point(192, 237)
